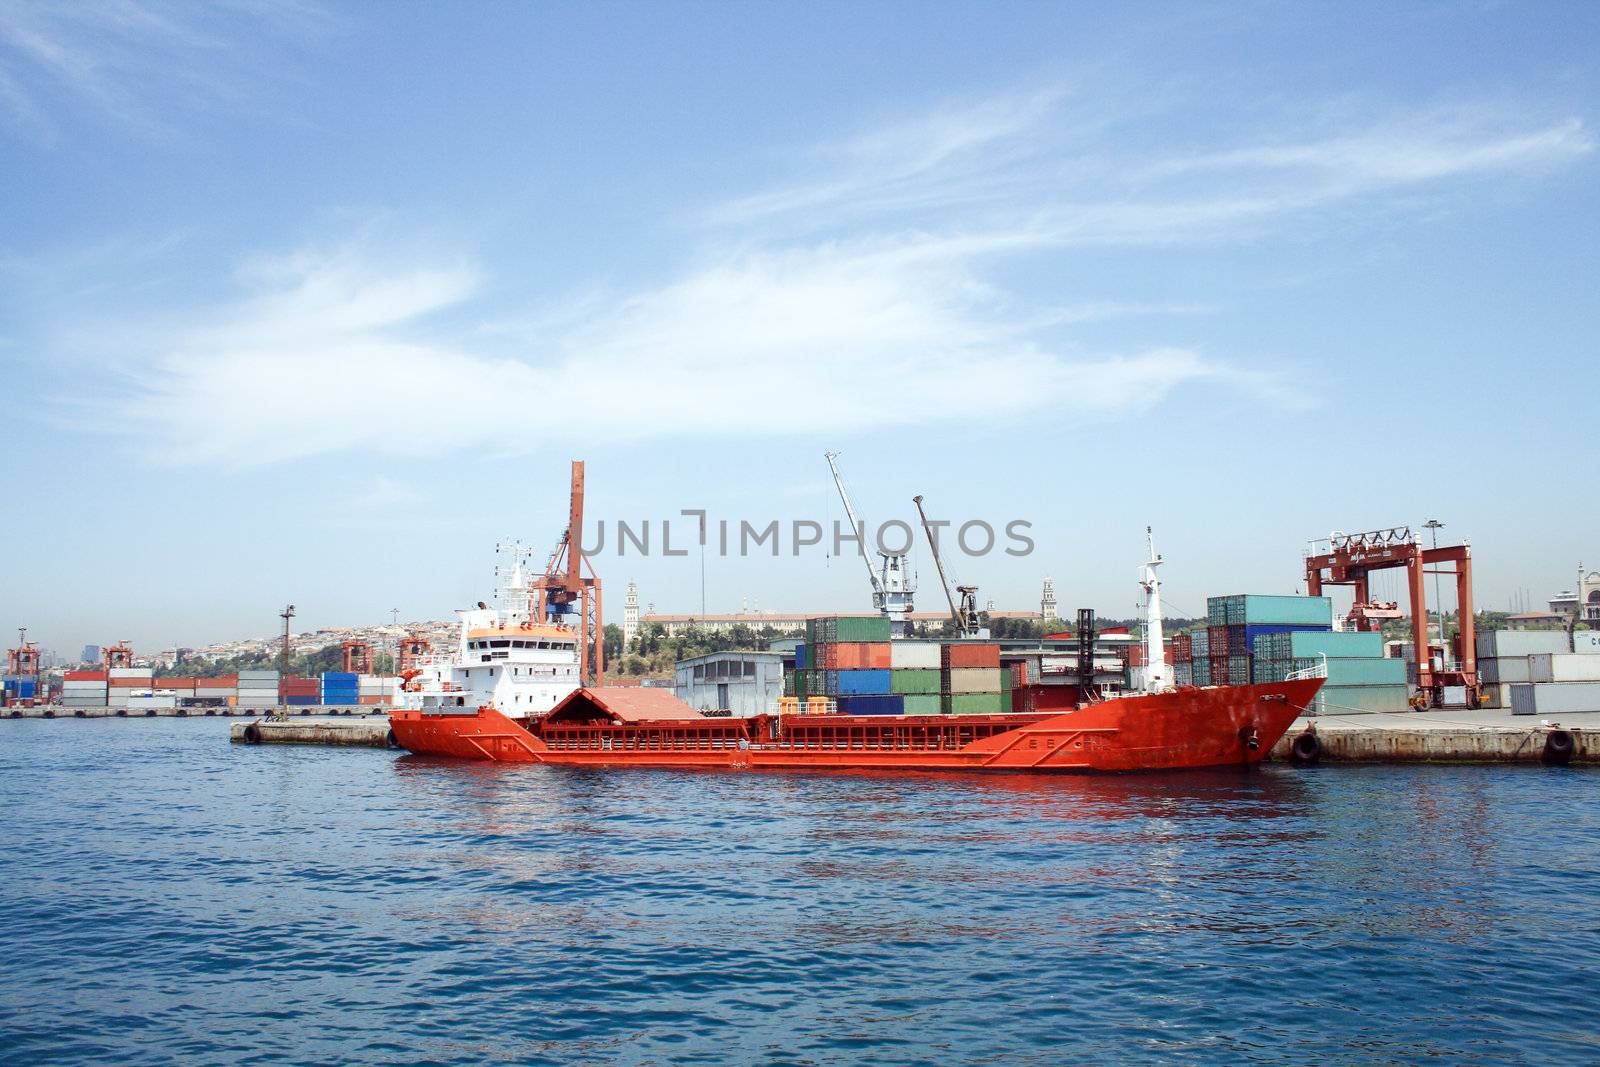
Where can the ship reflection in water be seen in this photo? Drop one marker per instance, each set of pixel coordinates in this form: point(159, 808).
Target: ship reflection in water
point(332, 905)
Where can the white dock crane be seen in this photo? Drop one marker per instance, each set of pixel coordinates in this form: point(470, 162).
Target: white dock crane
point(965, 614)
point(893, 584)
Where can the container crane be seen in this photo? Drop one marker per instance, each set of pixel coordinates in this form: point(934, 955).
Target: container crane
point(565, 585)
point(893, 584)
point(1350, 559)
point(964, 614)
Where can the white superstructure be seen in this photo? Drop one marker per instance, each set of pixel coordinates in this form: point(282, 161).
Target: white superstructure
point(1156, 676)
point(503, 659)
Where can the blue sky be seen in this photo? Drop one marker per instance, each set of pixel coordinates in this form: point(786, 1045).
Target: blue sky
point(314, 304)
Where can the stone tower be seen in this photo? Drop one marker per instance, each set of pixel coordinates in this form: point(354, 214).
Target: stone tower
point(630, 615)
point(1047, 602)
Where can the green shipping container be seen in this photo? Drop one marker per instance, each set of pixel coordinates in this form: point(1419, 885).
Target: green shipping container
point(924, 703)
point(914, 681)
point(1309, 644)
point(1362, 699)
point(977, 703)
point(822, 631)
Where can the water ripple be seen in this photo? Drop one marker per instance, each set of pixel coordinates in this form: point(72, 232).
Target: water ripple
point(171, 899)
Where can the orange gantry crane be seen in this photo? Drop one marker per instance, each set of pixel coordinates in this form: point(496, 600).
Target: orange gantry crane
point(1350, 559)
point(356, 657)
point(570, 585)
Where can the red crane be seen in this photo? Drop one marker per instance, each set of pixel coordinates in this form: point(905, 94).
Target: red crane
point(1351, 559)
point(356, 657)
point(569, 584)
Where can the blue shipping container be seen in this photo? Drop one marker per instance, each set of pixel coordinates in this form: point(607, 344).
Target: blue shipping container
point(800, 658)
point(333, 678)
point(876, 704)
point(306, 701)
point(27, 689)
point(863, 682)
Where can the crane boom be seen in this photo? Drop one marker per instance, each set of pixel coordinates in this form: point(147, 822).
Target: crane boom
point(955, 612)
point(850, 513)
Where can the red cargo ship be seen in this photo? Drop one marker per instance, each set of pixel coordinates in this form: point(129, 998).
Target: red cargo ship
point(614, 727)
point(518, 658)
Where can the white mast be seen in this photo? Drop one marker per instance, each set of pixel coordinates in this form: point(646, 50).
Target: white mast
point(1155, 660)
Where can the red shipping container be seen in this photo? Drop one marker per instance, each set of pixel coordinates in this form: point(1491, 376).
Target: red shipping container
point(970, 655)
point(221, 681)
point(84, 676)
point(176, 684)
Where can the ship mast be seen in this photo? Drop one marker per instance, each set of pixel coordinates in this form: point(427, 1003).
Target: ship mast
point(1155, 660)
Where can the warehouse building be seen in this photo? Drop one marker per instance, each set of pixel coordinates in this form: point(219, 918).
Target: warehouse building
point(736, 683)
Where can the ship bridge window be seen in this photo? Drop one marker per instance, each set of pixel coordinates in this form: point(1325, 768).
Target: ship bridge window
point(499, 644)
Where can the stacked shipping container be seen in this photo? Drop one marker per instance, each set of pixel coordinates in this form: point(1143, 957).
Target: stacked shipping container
point(853, 662)
point(1360, 679)
point(1534, 672)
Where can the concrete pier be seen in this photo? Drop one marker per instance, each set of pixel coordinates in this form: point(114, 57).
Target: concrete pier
point(366, 732)
point(1454, 736)
point(57, 711)
point(1451, 736)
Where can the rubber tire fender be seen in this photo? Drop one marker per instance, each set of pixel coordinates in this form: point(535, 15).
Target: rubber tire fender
point(1559, 746)
point(252, 734)
point(391, 741)
point(1306, 749)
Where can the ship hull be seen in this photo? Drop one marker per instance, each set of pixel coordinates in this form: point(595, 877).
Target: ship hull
point(1185, 728)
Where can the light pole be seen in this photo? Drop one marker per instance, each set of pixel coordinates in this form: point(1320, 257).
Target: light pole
point(1438, 597)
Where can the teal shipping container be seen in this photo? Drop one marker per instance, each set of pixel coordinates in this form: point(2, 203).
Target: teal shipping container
point(1249, 609)
point(1361, 672)
point(1362, 700)
point(1309, 644)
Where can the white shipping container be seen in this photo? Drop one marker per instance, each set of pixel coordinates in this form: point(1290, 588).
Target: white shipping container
point(85, 687)
point(1564, 667)
point(1497, 644)
point(1586, 641)
point(1555, 698)
point(914, 655)
point(155, 702)
point(977, 679)
point(218, 692)
point(133, 672)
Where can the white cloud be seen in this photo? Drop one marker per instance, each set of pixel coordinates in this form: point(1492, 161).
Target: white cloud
point(137, 62)
point(774, 331)
point(832, 340)
point(386, 495)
